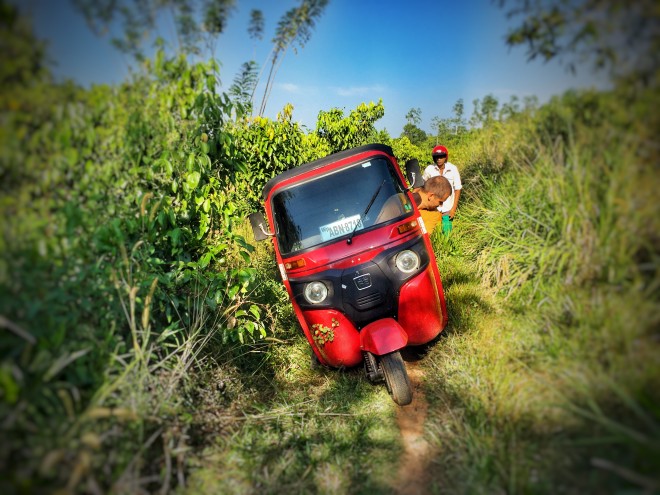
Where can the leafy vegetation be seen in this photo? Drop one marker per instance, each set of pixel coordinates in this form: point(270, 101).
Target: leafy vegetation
point(146, 345)
point(131, 25)
point(610, 34)
point(197, 26)
point(117, 252)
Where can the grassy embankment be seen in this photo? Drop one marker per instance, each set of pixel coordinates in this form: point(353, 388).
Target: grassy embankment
point(548, 380)
point(547, 377)
point(119, 372)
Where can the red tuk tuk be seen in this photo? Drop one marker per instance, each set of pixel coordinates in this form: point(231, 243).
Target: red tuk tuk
point(356, 261)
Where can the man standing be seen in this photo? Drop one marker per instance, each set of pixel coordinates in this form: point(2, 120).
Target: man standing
point(442, 167)
point(429, 198)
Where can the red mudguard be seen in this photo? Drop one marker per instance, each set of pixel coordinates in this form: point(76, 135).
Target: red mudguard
point(383, 336)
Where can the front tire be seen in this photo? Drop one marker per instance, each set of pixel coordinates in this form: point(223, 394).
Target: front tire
point(396, 378)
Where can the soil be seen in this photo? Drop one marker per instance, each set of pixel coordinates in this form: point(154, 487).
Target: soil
point(414, 476)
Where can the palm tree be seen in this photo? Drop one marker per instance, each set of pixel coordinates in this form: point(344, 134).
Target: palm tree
point(294, 29)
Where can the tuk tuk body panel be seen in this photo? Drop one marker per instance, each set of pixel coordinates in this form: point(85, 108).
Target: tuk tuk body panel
point(334, 339)
point(422, 318)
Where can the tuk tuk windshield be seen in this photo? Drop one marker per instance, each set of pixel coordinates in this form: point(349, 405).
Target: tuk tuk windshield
point(331, 206)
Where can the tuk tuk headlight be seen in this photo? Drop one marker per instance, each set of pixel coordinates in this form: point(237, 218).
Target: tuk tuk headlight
point(316, 292)
point(407, 261)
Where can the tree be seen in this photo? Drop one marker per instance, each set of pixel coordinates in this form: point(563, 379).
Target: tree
point(243, 87)
point(447, 129)
point(256, 27)
point(489, 106)
point(509, 109)
point(358, 128)
point(23, 56)
point(416, 135)
point(293, 30)
point(442, 128)
point(485, 111)
point(195, 21)
point(411, 130)
point(458, 121)
point(414, 116)
point(618, 36)
point(197, 24)
point(530, 103)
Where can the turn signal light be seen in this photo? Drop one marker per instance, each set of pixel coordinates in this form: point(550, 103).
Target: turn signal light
point(405, 227)
point(292, 265)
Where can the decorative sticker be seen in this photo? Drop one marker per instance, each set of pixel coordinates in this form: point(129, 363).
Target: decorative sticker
point(322, 334)
point(282, 271)
point(421, 224)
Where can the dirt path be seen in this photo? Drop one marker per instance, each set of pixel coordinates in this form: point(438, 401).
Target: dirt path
point(414, 476)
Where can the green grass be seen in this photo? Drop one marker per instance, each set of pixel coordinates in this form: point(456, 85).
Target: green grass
point(312, 431)
point(546, 379)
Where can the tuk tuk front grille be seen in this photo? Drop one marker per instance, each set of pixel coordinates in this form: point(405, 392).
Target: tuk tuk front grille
point(369, 300)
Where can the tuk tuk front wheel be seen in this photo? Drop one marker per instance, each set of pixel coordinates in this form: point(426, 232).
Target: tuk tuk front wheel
point(396, 378)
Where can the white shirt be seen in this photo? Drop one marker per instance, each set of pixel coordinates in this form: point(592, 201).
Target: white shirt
point(451, 174)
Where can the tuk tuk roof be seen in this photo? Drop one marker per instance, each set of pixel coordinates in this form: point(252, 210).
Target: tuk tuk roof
point(321, 162)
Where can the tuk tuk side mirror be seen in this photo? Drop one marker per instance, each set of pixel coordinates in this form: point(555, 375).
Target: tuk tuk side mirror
point(414, 173)
point(259, 226)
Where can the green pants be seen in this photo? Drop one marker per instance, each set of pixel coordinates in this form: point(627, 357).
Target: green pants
point(446, 224)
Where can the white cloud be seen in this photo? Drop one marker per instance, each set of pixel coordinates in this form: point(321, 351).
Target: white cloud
point(358, 90)
point(289, 87)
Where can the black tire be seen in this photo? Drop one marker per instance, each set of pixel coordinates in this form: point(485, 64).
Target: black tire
point(396, 378)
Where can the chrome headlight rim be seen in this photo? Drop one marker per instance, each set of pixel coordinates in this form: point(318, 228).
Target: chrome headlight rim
point(316, 292)
point(407, 261)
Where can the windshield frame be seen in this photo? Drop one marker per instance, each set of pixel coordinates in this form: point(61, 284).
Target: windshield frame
point(395, 188)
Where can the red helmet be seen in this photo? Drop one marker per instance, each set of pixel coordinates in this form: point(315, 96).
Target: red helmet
point(439, 152)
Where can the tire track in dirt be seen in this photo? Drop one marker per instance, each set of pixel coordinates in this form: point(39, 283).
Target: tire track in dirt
point(414, 476)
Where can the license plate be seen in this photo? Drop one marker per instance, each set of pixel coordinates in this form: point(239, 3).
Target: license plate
point(341, 227)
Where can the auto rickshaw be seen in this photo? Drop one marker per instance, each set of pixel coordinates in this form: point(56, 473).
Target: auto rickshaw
point(356, 261)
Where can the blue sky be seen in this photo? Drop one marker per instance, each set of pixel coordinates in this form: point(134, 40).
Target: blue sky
point(415, 53)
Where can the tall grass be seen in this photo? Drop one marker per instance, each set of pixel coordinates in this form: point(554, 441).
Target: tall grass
point(559, 393)
point(134, 431)
point(134, 424)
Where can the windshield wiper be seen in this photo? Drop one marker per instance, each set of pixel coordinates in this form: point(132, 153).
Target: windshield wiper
point(366, 210)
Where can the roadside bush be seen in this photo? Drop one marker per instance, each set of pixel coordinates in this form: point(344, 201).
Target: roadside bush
point(262, 149)
point(119, 260)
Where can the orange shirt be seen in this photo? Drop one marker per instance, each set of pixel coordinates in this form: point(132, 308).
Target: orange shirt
point(431, 218)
